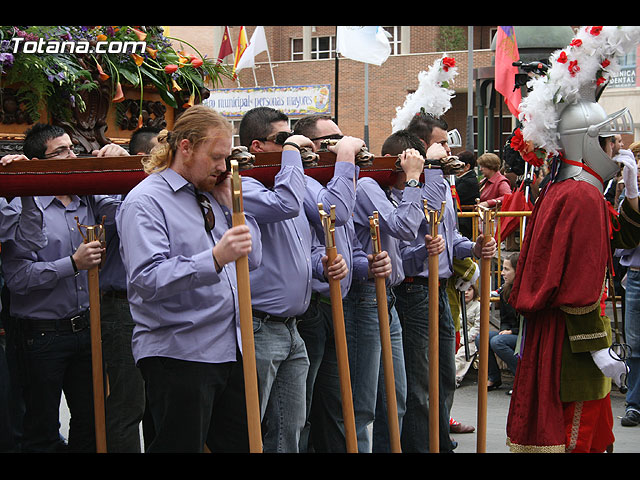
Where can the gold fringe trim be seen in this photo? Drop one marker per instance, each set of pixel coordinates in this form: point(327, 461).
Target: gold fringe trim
point(588, 308)
point(516, 448)
point(575, 426)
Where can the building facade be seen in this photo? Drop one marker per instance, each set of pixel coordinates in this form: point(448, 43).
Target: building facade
point(363, 98)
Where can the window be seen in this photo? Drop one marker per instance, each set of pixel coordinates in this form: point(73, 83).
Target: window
point(321, 47)
point(395, 40)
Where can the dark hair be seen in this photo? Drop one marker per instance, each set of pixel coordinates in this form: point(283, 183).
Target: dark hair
point(307, 125)
point(36, 138)
point(140, 140)
point(468, 157)
point(399, 141)
point(256, 124)
point(422, 124)
point(513, 260)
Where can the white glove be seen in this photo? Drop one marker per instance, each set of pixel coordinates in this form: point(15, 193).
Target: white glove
point(610, 364)
point(629, 172)
point(463, 285)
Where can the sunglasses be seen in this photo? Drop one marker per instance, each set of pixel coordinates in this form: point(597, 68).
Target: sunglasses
point(278, 138)
point(207, 211)
point(332, 136)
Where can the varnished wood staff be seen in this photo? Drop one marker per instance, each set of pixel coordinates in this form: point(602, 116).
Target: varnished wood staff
point(339, 333)
point(434, 218)
point(487, 216)
point(246, 322)
point(96, 233)
point(385, 341)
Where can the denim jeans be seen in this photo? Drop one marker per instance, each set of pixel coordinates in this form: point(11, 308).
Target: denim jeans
point(324, 427)
point(365, 359)
point(282, 364)
point(504, 347)
point(413, 310)
point(632, 337)
point(194, 404)
point(57, 362)
point(124, 406)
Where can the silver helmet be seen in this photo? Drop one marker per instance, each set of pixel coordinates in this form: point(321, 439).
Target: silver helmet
point(580, 128)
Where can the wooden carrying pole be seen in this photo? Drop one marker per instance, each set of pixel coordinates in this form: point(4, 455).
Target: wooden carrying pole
point(96, 233)
point(340, 336)
point(385, 341)
point(434, 218)
point(487, 217)
point(246, 323)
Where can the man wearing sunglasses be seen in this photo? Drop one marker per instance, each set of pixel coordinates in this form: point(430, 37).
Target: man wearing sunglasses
point(325, 426)
point(49, 299)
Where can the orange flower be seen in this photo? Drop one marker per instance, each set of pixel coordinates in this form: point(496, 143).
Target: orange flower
point(190, 102)
point(101, 37)
point(103, 76)
point(152, 52)
point(196, 62)
point(171, 68)
point(175, 87)
point(137, 59)
point(119, 96)
point(139, 121)
point(141, 35)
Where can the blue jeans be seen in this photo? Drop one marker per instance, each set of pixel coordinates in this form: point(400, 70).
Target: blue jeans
point(365, 360)
point(282, 364)
point(324, 428)
point(632, 337)
point(504, 347)
point(124, 407)
point(413, 310)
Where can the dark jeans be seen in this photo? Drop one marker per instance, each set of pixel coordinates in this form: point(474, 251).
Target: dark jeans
point(324, 430)
point(57, 362)
point(125, 403)
point(413, 309)
point(195, 403)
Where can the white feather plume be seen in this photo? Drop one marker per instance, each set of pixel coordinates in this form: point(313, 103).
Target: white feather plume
point(433, 95)
point(591, 55)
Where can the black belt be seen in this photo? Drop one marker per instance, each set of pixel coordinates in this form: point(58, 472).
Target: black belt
point(73, 324)
point(424, 281)
point(267, 317)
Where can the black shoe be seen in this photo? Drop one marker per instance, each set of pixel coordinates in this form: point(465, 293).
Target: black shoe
point(631, 418)
point(494, 386)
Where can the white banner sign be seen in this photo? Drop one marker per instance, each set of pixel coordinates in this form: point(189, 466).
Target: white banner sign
point(293, 100)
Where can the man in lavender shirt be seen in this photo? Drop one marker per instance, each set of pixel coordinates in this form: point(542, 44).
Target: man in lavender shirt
point(413, 295)
point(49, 300)
point(179, 249)
point(398, 221)
point(324, 431)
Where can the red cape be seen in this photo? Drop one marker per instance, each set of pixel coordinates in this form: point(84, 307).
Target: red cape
point(563, 262)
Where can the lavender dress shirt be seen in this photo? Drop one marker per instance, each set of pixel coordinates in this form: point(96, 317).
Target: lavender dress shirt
point(414, 254)
point(397, 222)
point(181, 307)
point(43, 283)
point(281, 286)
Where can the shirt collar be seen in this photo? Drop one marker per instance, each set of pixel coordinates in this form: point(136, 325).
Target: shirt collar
point(174, 179)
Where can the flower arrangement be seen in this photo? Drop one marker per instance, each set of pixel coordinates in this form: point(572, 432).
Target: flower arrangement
point(67, 62)
point(586, 63)
point(433, 95)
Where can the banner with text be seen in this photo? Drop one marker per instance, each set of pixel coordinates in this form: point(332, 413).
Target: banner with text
point(295, 100)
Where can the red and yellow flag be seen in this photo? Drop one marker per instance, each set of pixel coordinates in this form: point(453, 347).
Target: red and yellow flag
point(242, 46)
point(225, 45)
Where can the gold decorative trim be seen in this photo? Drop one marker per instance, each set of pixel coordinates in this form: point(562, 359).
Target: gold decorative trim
point(575, 426)
point(588, 308)
point(587, 336)
point(516, 448)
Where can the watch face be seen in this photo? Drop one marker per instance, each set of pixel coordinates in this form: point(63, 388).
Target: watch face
point(412, 183)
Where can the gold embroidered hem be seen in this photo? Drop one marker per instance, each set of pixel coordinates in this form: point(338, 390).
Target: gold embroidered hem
point(588, 308)
point(515, 448)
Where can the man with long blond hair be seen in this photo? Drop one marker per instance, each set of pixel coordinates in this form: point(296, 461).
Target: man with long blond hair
point(179, 251)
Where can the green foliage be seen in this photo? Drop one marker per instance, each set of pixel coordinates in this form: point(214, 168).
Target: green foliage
point(451, 38)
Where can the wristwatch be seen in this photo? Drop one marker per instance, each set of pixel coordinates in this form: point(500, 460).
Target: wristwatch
point(413, 183)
